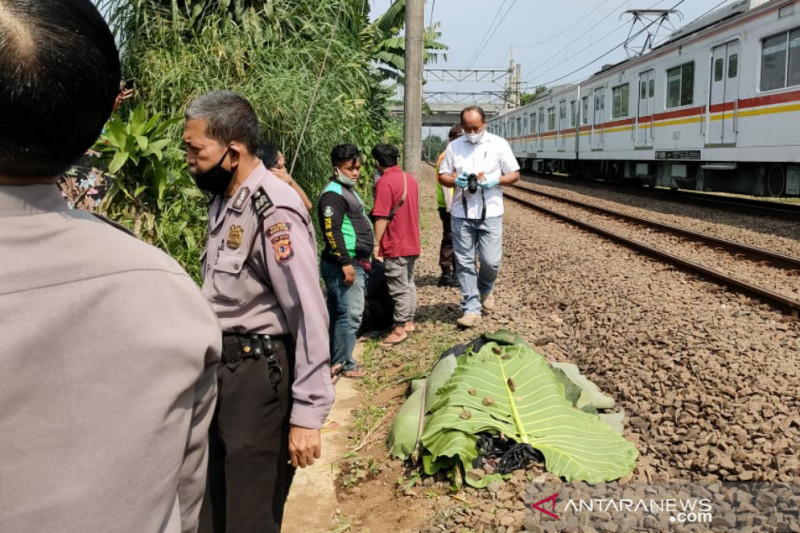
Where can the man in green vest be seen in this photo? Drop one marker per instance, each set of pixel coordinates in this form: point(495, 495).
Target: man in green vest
point(345, 262)
point(444, 197)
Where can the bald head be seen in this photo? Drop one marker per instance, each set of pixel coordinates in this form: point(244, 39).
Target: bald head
point(59, 74)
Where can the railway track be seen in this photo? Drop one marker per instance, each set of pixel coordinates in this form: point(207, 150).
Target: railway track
point(606, 222)
point(729, 203)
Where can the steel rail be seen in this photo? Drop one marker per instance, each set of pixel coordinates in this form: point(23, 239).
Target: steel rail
point(785, 303)
point(777, 259)
point(706, 199)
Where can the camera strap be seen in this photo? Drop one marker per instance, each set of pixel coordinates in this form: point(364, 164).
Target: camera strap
point(402, 198)
point(483, 201)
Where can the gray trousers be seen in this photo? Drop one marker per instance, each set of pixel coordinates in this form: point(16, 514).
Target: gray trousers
point(399, 272)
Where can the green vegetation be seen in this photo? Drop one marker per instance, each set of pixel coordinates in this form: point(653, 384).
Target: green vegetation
point(315, 72)
point(527, 98)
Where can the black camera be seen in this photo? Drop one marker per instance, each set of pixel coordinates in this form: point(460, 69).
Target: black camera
point(472, 183)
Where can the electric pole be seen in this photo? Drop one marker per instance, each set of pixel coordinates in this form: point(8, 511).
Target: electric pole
point(412, 132)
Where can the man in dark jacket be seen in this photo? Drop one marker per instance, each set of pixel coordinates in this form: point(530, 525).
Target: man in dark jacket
point(346, 258)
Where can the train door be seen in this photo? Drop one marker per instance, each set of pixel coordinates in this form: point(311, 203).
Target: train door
point(541, 129)
point(562, 126)
point(644, 116)
point(724, 94)
point(599, 118)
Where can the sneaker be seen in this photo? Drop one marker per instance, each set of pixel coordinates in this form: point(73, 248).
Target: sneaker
point(469, 320)
point(452, 281)
point(443, 279)
point(487, 300)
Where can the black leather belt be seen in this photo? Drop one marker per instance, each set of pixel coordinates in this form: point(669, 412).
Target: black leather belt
point(237, 347)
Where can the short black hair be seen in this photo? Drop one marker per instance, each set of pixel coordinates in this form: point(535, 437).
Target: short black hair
point(385, 154)
point(479, 109)
point(60, 75)
point(268, 154)
point(344, 153)
point(230, 117)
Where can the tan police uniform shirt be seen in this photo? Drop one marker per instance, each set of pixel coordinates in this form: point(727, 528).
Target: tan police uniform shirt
point(107, 387)
point(261, 276)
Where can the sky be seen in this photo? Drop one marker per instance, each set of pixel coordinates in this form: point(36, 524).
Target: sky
point(549, 38)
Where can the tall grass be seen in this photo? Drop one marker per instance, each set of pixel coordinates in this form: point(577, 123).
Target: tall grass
point(272, 52)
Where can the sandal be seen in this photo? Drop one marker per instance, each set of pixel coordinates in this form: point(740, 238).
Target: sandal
point(336, 372)
point(354, 373)
point(392, 344)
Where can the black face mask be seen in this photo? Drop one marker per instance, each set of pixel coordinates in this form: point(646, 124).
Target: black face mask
point(215, 180)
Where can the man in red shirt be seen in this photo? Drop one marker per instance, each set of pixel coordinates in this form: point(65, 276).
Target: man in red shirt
point(397, 241)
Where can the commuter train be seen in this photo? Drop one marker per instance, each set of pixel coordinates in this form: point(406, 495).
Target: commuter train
point(715, 107)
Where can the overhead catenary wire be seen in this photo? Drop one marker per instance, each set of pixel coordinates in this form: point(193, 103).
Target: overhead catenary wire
point(495, 30)
point(645, 28)
point(538, 68)
point(572, 25)
point(485, 35)
point(316, 86)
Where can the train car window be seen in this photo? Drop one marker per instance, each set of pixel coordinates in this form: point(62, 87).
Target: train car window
point(794, 57)
point(573, 110)
point(773, 62)
point(643, 90)
point(733, 66)
point(719, 67)
point(680, 85)
point(551, 119)
point(533, 122)
point(585, 111)
point(652, 87)
point(620, 101)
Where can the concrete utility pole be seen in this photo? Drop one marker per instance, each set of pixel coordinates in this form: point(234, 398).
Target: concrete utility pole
point(412, 133)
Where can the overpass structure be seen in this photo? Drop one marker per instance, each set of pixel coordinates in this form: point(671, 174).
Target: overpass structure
point(443, 108)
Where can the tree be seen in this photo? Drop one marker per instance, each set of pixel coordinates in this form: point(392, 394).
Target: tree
point(432, 146)
point(388, 46)
point(307, 66)
point(527, 98)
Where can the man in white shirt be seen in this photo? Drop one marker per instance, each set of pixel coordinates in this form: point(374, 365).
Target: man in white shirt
point(477, 215)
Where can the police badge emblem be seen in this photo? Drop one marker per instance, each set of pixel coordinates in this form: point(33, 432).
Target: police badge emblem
point(283, 248)
point(235, 234)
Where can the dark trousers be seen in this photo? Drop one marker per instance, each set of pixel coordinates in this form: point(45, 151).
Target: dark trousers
point(446, 248)
point(248, 474)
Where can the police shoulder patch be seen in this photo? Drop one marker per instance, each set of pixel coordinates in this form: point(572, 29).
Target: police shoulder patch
point(328, 211)
point(280, 227)
point(261, 201)
point(282, 245)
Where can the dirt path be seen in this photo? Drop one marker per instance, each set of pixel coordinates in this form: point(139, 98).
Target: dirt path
point(312, 504)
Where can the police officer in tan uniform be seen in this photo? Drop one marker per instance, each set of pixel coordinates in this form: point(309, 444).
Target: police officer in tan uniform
point(109, 350)
point(260, 275)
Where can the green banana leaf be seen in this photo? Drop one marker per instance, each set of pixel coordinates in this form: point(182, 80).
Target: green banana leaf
point(512, 390)
point(402, 437)
point(589, 392)
point(441, 372)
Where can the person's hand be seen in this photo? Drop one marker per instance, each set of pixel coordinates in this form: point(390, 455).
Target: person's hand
point(349, 274)
point(305, 445)
point(123, 95)
point(376, 252)
point(488, 183)
point(282, 174)
point(461, 180)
